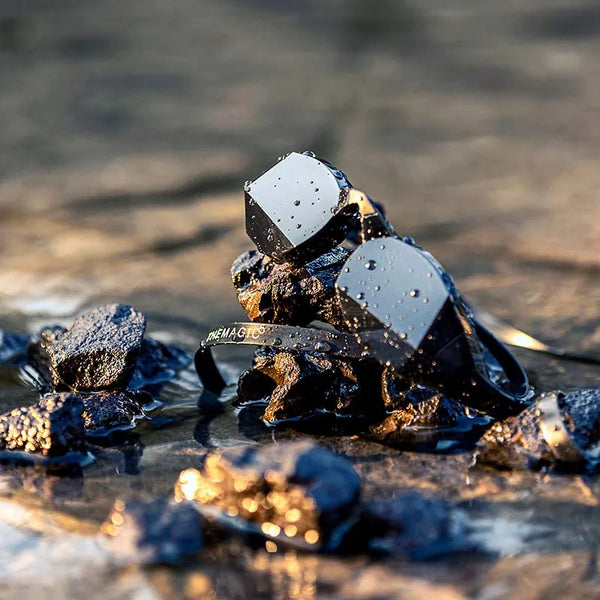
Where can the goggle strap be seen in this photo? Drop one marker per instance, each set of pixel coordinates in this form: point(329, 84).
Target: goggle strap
point(281, 337)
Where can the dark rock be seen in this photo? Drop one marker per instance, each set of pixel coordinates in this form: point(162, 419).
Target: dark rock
point(301, 384)
point(414, 526)
point(157, 363)
point(104, 412)
point(99, 350)
point(279, 293)
point(52, 427)
point(12, 345)
point(418, 415)
point(37, 353)
point(295, 493)
point(153, 532)
point(522, 442)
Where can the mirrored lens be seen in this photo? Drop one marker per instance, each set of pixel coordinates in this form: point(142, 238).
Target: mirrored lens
point(390, 284)
point(291, 202)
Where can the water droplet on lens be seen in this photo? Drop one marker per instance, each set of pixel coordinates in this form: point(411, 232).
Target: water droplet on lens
point(322, 347)
point(377, 288)
point(360, 296)
point(296, 202)
point(370, 265)
point(415, 293)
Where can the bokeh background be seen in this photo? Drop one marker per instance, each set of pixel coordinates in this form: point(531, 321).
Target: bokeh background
point(128, 129)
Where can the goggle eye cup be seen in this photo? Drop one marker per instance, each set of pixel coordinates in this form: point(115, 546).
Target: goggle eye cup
point(291, 203)
point(389, 284)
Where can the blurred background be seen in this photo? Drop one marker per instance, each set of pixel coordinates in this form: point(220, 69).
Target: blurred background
point(128, 129)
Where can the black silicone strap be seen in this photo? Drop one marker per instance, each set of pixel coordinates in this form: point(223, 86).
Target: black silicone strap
point(282, 337)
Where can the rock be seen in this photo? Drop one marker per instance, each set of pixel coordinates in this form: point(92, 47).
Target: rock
point(417, 415)
point(52, 427)
point(153, 532)
point(157, 363)
point(98, 351)
point(531, 440)
point(104, 412)
point(414, 526)
point(302, 384)
point(279, 293)
point(295, 493)
point(37, 353)
point(12, 345)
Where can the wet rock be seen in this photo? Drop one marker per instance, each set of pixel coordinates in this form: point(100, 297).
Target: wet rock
point(295, 493)
point(279, 293)
point(559, 430)
point(38, 356)
point(98, 351)
point(301, 384)
point(157, 363)
point(52, 427)
point(12, 345)
point(153, 532)
point(417, 415)
point(414, 526)
point(104, 412)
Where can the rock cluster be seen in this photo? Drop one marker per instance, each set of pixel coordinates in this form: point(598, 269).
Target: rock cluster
point(95, 377)
point(294, 495)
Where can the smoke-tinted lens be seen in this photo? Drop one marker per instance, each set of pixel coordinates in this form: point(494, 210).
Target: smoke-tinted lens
point(291, 203)
point(390, 284)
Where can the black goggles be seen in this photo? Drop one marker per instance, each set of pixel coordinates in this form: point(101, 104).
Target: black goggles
point(401, 308)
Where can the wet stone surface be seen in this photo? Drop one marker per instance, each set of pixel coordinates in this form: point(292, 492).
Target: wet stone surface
point(296, 493)
point(280, 293)
point(52, 427)
point(156, 531)
point(521, 443)
point(416, 526)
point(298, 385)
point(98, 351)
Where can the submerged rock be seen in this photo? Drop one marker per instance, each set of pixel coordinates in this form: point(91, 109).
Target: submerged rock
point(12, 345)
point(157, 363)
point(98, 351)
point(559, 430)
point(271, 292)
point(417, 415)
point(414, 526)
point(294, 493)
point(52, 427)
point(153, 532)
point(302, 384)
point(107, 411)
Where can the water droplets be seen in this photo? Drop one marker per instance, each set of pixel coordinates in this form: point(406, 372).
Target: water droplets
point(415, 293)
point(322, 346)
point(360, 296)
point(277, 341)
point(296, 202)
point(371, 265)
